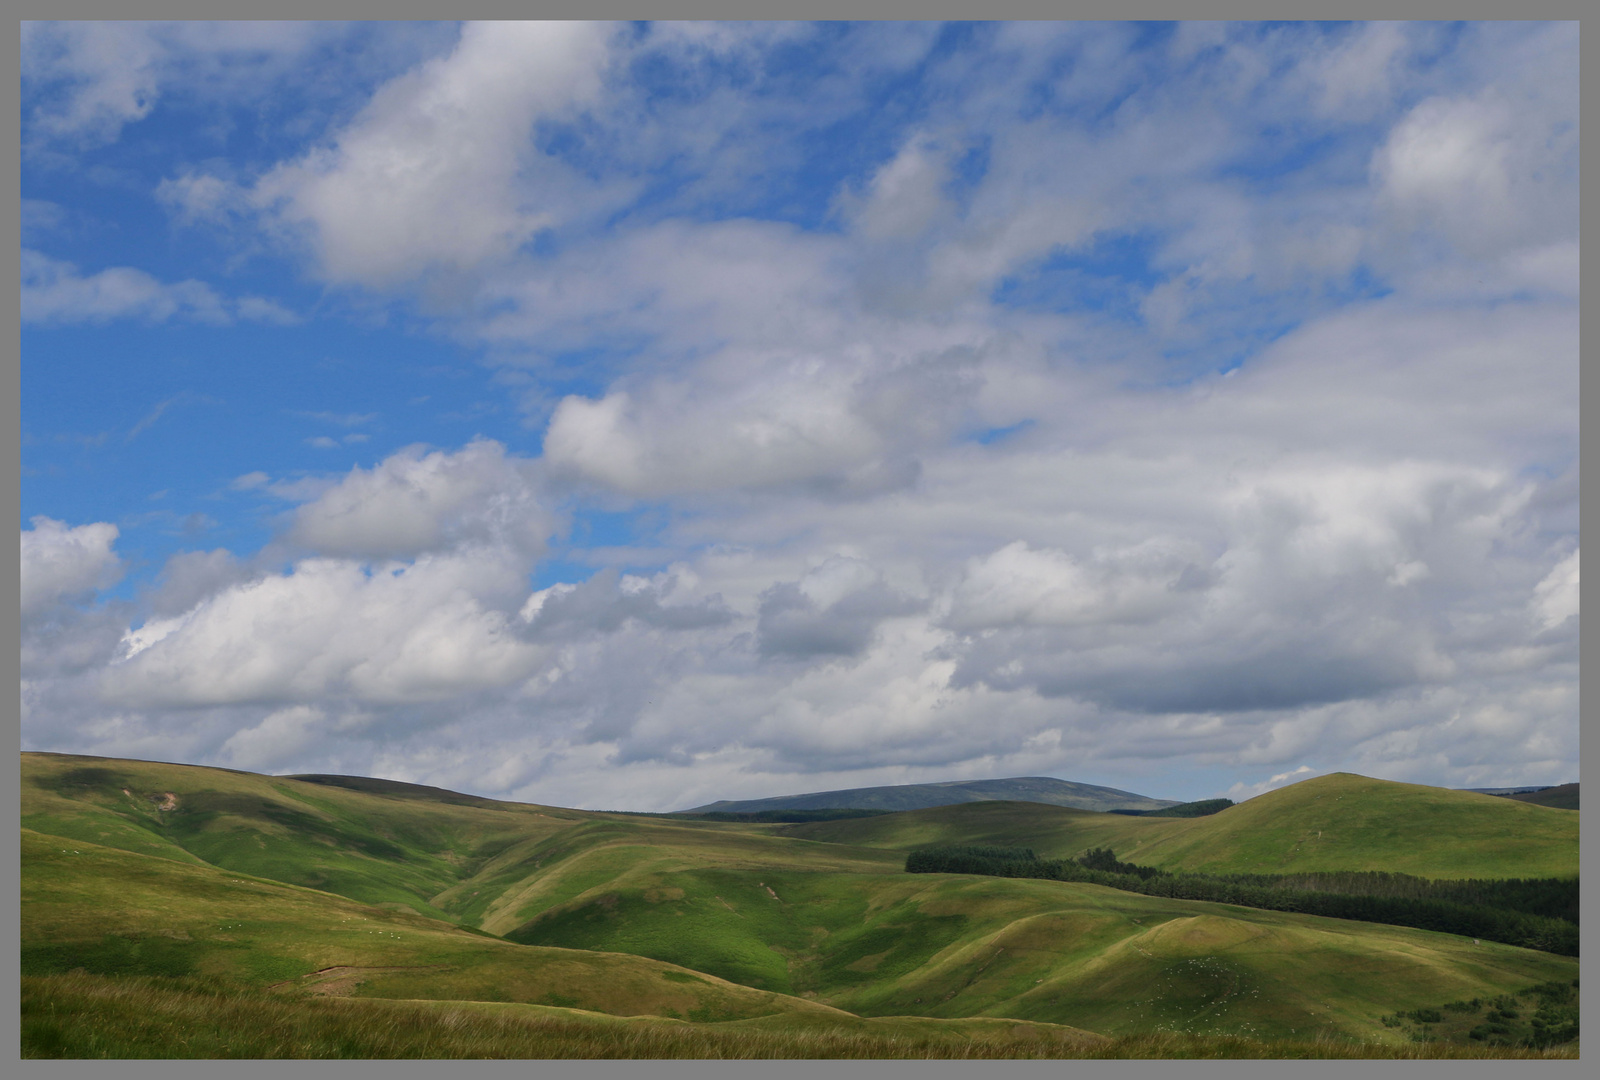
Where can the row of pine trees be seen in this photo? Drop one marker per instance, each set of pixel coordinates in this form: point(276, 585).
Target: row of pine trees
point(1538, 913)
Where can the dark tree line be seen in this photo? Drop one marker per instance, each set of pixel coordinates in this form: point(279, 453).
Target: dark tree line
point(1552, 898)
point(1457, 908)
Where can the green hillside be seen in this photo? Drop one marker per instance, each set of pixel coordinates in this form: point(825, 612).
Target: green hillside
point(479, 862)
point(876, 945)
point(110, 912)
point(1348, 822)
point(343, 887)
point(1335, 822)
point(1109, 961)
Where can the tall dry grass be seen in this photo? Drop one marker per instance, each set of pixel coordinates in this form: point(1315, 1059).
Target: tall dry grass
point(85, 1016)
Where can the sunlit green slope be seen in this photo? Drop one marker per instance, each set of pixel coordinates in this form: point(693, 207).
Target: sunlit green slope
point(1109, 961)
point(452, 857)
point(1335, 822)
point(112, 912)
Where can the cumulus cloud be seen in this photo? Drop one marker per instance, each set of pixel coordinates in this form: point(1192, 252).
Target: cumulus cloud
point(276, 740)
point(807, 390)
point(1138, 403)
point(1494, 170)
point(414, 502)
point(425, 175)
point(833, 610)
point(1019, 586)
point(329, 628)
point(188, 578)
point(1332, 583)
point(62, 563)
point(606, 601)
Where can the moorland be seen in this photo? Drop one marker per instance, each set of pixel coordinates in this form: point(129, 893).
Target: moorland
point(183, 911)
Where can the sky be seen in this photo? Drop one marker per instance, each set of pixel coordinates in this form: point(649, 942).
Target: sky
point(630, 416)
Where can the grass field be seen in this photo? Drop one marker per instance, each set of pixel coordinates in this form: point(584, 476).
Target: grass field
point(325, 897)
point(85, 1016)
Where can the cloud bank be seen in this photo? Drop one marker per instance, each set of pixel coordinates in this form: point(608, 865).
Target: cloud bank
point(1190, 411)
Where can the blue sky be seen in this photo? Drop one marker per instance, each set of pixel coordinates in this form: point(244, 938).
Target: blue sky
point(635, 415)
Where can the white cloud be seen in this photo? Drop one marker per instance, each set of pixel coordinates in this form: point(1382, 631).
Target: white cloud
point(152, 631)
point(906, 194)
point(276, 740)
point(330, 629)
point(1358, 73)
point(1241, 791)
point(426, 175)
point(54, 292)
point(1019, 586)
point(110, 69)
point(187, 579)
point(835, 609)
point(1452, 159)
point(1496, 170)
point(1336, 553)
point(342, 419)
point(262, 310)
point(250, 481)
point(62, 563)
point(1555, 598)
point(88, 79)
point(413, 502)
point(196, 198)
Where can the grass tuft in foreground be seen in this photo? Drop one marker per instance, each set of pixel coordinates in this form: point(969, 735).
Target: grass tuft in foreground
point(88, 1016)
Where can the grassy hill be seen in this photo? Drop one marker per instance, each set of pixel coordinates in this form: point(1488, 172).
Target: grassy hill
point(339, 887)
point(939, 946)
point(447, 856)
point(1037, 789)
point(1109, 961)
point(1335, 822)
point(110, 912)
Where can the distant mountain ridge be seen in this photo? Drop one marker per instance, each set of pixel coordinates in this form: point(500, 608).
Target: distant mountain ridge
point(1037, 789)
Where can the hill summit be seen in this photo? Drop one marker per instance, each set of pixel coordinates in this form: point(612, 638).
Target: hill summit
point(1037, 789)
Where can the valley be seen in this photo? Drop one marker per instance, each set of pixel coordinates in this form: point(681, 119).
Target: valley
point(344, 893)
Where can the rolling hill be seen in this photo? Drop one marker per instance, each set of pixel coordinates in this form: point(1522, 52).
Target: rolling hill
point(1335, 822)
point(306, 888)
point(1035, 789)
